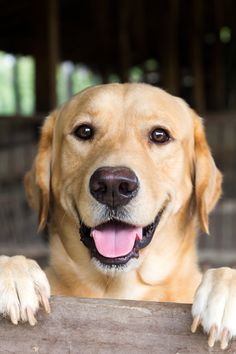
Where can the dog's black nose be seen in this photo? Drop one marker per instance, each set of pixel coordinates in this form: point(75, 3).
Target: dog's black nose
point(113, 186)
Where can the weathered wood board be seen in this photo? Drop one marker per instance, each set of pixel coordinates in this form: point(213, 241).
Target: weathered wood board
point(90, 326)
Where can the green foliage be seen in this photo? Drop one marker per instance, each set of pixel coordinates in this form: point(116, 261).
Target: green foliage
point(225, 34)
point(26, 85)
point(72, 78)
point(84, 77)
point(136, 74)
point(7, 98)
point(17, 76)
point(17, 83)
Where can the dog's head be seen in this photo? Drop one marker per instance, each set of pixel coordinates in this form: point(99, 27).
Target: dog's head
point(121, 161)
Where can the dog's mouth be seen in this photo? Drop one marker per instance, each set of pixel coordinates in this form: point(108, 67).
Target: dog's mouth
point(114, 243)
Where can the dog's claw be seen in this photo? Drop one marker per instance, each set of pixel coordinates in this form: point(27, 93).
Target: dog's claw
point(212, 336)
point(14, 314)
point(30, 315)
point(224, 339)
point(45, 303)
point(43, 300)
point(23, 315)
point(196, 323)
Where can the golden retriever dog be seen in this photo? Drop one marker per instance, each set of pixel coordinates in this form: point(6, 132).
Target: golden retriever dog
point(123, 178)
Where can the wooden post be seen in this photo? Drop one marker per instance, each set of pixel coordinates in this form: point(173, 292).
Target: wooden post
point(90, 326)
point(218, 77)
point(124, 40)
point(16, 86)
point(46, 53)
point(102, 26)
point(170, 60)
point(196, 43)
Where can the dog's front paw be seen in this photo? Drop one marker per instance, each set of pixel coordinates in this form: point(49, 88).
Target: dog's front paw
point(214, 306)
point(23, 288)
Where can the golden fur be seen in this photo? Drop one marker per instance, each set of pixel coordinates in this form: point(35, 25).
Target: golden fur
point(180, 176)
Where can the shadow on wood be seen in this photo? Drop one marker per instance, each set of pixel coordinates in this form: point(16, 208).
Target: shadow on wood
point(90, 326)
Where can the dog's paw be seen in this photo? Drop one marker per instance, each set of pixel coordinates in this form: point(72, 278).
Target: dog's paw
point(214, 306)
point(23, 288)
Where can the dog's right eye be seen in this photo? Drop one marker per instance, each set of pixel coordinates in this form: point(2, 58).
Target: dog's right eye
point(84, 132)
point(159, 136)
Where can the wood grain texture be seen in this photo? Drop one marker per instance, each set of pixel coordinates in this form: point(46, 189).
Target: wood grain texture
point(90, 326)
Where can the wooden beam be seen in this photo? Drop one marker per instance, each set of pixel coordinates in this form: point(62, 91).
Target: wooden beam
point(218, 75)
point(90, 326)
point(124, 40)
point(46, 52)
point(170, 53)
point(196, 42)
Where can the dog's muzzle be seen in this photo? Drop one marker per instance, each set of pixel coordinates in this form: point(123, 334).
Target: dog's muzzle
point(115, 241)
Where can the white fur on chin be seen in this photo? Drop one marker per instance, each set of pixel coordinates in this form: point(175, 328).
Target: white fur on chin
point(113, 269)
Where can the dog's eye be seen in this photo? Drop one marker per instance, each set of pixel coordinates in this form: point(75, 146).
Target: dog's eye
point(84, 132)
point(159, 136)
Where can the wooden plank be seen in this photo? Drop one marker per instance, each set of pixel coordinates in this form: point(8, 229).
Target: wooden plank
point(217, 77)
point(219, 58)
point(90, 326)
point(170, 48)
point(197, 55)
point(46, 52)
point(124, 40)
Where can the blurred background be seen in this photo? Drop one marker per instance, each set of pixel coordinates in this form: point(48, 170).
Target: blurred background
point(51, 49)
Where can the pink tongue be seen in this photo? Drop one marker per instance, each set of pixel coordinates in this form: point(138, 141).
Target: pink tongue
point(115, 240)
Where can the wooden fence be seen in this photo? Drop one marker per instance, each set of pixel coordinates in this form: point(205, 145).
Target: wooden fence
point(89, 326)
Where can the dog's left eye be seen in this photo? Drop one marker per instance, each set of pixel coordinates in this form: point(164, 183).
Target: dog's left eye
point(159, 136)
point(84, 132)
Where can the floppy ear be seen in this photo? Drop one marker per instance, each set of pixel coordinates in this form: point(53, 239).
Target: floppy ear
point(208, 178)
point(37, 180)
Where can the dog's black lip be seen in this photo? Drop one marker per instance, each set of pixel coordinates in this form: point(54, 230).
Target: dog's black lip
point(148, 232)
point(115, 261)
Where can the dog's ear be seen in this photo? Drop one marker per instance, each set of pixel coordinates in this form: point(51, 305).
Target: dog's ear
point(37, 180)
point(207, 178)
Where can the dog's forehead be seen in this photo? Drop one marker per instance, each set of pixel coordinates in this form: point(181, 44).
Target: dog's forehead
point(127, 101)
point(151, 101)
point(98, 99)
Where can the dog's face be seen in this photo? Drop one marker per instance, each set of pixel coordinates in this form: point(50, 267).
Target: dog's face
point(121, 160)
